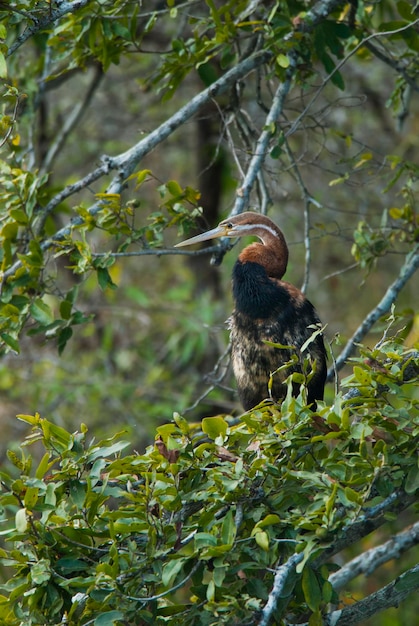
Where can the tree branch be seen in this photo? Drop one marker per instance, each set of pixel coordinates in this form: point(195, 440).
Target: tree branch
point(369, 561)
point(70, 122)
point(409, 267)
point(318, 13)
point(51, 16)
point(351, 532)
point(366, 523)
point(281, 581)
point(386, 597)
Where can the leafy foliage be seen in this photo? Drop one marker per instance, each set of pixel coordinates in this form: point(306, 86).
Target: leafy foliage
point(194, 528)
point(203, 524)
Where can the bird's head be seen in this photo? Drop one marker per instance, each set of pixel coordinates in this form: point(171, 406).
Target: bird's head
point(247, 223)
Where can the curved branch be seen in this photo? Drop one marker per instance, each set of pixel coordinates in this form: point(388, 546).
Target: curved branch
point(409, 267)
point(386, 597)
point(369, 561)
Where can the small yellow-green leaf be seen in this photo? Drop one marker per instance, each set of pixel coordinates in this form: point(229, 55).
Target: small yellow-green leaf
point(181, 423)
point(3, 66)
point(214, 427)
point(362, 375)
point(396, 213)
point(283, 60)
point(269, 520)
point(31, 497)
point(352, 495)
point(367, 156)
point(262, 539)
point(338, 181)
point(174, 188)
point(21, 521)
point(43, 466)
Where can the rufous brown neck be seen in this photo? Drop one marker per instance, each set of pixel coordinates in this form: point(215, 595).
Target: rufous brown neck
point(272, 253)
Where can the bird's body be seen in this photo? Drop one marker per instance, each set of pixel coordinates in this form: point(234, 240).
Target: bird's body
point(272, 319)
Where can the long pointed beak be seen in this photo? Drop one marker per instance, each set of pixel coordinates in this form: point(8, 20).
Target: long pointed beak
point(219, 231)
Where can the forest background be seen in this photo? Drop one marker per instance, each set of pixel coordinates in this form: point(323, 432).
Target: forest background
point(127, 126)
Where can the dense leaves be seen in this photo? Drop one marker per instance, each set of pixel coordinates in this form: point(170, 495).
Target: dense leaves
point(194, 528)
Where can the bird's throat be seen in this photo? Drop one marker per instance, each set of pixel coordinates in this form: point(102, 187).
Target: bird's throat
point(255, 294)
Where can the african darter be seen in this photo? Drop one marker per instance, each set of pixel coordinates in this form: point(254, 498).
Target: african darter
point(269, 311)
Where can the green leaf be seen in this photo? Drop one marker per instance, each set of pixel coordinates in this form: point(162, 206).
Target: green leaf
point(21, 520)
point(412, 480)
point(262, 539)
point(174, 188)
point(214, 427)
point(109, 618)
point(63, 336)
point(41, 312)
point(311, 588)
point(41, 571)
point(3, 66)
point(171, 570)
point(228, 529)
point(269, 520)
point(203, 540)
point(104, 279)
point(283, 60)
point(11, 342)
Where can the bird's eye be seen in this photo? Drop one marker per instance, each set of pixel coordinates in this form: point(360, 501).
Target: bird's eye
point(229, 225)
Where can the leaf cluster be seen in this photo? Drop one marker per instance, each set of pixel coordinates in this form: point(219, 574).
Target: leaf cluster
point(195, 527)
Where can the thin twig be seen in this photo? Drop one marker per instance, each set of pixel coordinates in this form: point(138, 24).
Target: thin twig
point(338, 67)
point(71, 121)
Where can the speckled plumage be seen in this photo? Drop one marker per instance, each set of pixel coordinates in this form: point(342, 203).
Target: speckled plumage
point(268, 309)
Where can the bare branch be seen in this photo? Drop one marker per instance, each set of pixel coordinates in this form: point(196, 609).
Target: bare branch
point(50, 16)
point(409, 267)
point(71, 121)
point(308, 201)
point(370, 560)
point(386, 597)
point(154, 252)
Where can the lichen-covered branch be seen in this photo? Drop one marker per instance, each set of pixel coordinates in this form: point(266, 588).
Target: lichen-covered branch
point(386, 597)
point(409, 267)
point(370, 560)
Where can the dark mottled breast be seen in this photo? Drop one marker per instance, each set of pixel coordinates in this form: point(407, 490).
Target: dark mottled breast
point(266, 310)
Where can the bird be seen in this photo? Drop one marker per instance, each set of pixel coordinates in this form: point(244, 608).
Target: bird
point(274, 329)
